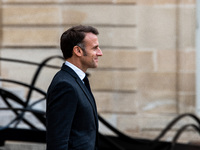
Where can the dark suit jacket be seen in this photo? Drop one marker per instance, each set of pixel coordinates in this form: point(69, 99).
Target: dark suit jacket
point(72, 121)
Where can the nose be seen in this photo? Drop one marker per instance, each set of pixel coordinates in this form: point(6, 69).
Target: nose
point(99, 53)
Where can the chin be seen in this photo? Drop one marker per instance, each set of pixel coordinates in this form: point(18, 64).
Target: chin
point(96, 66)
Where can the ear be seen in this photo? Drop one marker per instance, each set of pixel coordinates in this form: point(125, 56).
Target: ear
point(77, 51)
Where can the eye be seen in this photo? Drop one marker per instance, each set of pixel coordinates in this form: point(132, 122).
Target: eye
point(96, 48)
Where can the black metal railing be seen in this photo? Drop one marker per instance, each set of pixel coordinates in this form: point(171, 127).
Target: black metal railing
point(33, 133)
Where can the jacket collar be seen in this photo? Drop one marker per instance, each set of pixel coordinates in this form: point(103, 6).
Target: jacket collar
point(69, 70)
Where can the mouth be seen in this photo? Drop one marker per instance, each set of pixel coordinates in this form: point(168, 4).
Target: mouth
point(96, 59)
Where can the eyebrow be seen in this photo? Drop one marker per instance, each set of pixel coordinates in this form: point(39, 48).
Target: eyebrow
point(96, 46)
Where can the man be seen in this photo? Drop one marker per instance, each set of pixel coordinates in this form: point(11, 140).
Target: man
point(72, 121)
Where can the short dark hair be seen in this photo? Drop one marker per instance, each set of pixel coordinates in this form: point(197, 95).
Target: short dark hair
point(74, 36)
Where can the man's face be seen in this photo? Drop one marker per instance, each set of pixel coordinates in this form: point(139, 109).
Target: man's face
point(91, 52)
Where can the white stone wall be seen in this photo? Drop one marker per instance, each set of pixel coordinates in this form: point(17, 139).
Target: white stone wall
point(146, 76)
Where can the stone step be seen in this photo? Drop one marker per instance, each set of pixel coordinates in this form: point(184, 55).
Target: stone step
point(16, 145)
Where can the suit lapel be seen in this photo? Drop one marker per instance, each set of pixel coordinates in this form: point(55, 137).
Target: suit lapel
point(90, 98)
point(87, 93)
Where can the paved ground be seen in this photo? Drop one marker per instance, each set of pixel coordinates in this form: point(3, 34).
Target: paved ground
point(12, 145)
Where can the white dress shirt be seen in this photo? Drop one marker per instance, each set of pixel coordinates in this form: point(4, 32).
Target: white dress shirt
point(78, 71)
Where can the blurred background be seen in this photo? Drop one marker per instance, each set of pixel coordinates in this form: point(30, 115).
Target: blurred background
point(147, 75)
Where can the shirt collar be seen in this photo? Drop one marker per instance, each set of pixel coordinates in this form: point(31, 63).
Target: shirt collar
point(78, 71)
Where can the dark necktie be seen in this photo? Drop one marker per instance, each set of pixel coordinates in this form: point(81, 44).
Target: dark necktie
point(87, 84)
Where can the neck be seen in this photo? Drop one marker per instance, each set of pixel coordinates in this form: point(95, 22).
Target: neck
point(76, 63)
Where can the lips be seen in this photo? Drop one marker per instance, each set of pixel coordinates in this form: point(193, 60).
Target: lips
point(96, 59)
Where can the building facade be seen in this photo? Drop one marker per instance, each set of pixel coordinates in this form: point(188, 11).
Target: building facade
point(146, 76)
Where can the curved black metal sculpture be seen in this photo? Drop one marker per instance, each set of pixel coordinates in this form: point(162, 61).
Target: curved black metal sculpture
point(35, 134)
